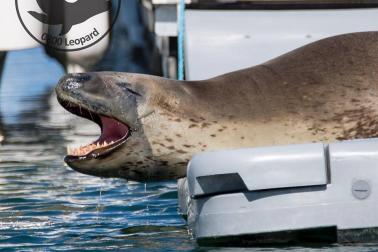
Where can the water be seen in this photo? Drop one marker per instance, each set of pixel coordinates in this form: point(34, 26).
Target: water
point(45, 206)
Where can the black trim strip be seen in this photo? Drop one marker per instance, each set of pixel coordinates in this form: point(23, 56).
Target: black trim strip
point(283, 4)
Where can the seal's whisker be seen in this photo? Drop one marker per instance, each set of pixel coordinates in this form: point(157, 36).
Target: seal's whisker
point(90, 114)
point(146, 115)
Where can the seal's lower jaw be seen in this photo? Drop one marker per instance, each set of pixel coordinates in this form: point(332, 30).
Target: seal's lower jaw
point(113, 135)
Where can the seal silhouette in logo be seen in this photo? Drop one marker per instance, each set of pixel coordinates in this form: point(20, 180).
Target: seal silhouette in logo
point(61, 12)
point(67, 25)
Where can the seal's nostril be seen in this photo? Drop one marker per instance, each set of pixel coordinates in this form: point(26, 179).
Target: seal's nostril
point(81, 77)
point(72, 82)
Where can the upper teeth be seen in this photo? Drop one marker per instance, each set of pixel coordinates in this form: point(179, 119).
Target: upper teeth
point(84, 150)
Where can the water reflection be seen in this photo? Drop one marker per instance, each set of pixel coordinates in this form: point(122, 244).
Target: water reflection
point(1, 129)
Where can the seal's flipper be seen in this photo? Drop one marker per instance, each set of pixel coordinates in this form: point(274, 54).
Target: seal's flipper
point(65, 29)
point(39, 16)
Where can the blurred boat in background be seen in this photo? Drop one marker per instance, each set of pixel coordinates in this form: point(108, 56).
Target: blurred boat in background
point(221, 36)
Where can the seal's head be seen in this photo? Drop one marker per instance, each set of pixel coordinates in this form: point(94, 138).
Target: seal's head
point(125, 107)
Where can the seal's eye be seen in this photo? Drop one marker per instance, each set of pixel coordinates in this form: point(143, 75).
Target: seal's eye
point(126, 87)
point(133, 92)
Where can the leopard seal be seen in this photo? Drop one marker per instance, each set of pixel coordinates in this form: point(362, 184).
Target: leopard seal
point(152, 126)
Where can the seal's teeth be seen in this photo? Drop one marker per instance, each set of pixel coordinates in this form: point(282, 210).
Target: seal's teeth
point(71, 150)
point(85, 150)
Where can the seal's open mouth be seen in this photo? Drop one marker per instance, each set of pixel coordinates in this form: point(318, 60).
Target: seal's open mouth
point(113, 134)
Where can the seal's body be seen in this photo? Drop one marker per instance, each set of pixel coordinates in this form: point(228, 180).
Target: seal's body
point(324, 91)
point(61, 12)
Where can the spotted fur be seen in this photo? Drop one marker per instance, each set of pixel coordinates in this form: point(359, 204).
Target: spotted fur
point(324, 91)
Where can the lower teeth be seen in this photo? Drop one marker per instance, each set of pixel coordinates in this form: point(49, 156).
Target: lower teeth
point(84, 150)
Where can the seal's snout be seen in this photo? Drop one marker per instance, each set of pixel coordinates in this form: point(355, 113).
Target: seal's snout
point(71, 82)
point(78, 78)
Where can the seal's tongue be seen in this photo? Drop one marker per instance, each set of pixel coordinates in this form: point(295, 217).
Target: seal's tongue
point(112, 130)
